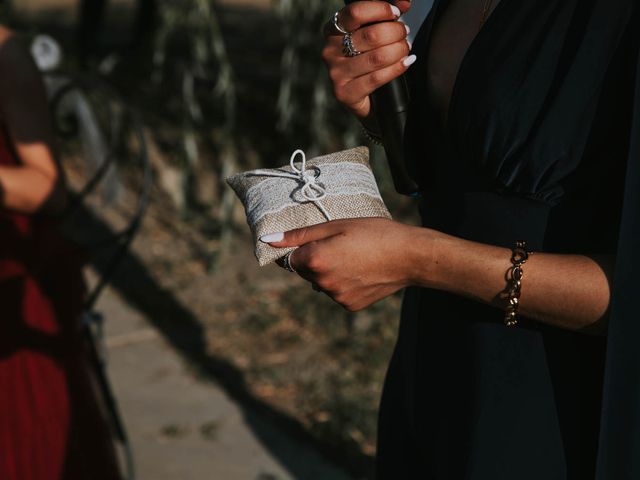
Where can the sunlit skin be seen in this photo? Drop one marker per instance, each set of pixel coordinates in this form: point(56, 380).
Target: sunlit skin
point(35, 185)
point(359, 262)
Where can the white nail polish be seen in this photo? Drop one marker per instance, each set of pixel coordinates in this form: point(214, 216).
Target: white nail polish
point(407, 28)
point(272, 237)
point(409, 43)
point(395, 10)
point(407, 62)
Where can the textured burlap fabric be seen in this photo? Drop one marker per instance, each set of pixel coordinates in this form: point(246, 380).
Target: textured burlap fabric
point(349, 189)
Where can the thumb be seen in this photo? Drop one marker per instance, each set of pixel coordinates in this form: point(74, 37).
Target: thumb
point(301, 236)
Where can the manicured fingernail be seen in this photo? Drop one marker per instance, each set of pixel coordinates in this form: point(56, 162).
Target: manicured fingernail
point(407, 28)
point(272, 237)
point(407, 62)
point(395, 10)
point(409, 43)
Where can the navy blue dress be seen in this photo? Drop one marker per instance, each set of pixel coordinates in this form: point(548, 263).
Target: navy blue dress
point(540, 144)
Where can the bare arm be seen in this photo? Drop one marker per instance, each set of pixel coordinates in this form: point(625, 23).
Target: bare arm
point(35, 184)
point(568, 291)
point(358, 262)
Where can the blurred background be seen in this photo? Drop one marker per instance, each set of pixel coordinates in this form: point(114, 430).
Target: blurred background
point(219, 368)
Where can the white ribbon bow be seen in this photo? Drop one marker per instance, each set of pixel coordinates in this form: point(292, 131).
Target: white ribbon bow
point(310, 189)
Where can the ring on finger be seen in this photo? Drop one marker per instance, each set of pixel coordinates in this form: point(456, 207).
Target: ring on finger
point(349, 50)
point(336, 24)
point(286, 262)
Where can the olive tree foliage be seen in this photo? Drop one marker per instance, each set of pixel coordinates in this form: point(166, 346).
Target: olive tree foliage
point(307, 116)
point(304, 80)
point(206, 62)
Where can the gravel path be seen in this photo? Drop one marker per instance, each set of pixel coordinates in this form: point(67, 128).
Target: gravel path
point(183, 427)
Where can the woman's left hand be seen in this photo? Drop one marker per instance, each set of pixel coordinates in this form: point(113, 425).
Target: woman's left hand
point(356, 261)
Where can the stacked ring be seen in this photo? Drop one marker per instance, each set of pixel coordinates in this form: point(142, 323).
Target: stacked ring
point(286, 262)
point(337, 25)
point(347, 42)
point(348, 49)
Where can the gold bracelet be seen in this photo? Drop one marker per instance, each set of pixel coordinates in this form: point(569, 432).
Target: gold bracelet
point(519, 257)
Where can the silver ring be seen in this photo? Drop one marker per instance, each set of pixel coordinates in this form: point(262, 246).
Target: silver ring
point(286, 262)
point(349, 50)
point(337, 25)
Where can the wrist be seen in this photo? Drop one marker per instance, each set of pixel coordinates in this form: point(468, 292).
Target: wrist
point(454, 265)
point(426, 260)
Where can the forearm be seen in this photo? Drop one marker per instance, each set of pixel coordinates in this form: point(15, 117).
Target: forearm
point(567, 291)
point(35, 184)
point(26, 189)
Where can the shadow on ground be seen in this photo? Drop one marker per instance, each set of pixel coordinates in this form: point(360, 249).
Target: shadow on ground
point(185, 333)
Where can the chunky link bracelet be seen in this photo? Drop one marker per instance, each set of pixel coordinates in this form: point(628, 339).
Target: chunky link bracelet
point(372, 136)
point(519, 257)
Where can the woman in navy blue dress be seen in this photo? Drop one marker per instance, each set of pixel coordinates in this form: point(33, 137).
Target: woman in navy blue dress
point(523, 126)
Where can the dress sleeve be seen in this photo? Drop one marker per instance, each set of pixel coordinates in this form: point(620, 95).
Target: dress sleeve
point(619, 450)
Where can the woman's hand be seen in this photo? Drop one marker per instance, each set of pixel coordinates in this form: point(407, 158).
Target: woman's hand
point(384, 46)
point(357, 261)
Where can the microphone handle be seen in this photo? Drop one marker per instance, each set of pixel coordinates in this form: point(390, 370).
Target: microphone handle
point(390, 104)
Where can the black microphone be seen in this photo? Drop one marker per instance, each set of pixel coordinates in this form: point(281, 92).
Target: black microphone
point(390, 104)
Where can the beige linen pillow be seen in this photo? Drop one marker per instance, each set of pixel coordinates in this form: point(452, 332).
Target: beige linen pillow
point(307, 192)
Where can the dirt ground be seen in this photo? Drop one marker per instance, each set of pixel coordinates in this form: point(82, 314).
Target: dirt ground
point(183, 426)
point(272, 344)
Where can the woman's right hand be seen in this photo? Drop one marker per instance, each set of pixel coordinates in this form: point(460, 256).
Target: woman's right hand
point(384, 46)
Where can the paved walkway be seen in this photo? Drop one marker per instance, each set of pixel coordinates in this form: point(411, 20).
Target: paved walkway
point(186, 428)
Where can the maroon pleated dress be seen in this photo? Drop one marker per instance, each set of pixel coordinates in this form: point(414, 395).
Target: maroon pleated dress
point(51, 426)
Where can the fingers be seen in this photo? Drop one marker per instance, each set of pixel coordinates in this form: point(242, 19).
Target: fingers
point(302, 236)
point(353, 92)
point(379, 35)
point(383, 46)
point(358, 14)
point(299, 261)
point(367, 38)
point(368, 62)
point(310, 262)
point(384, 49)
point(304, 262)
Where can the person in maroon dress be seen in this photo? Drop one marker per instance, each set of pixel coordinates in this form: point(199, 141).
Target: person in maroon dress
point(51, 424)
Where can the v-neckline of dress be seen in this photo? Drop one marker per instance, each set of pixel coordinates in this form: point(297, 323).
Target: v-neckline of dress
point(437, 10)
